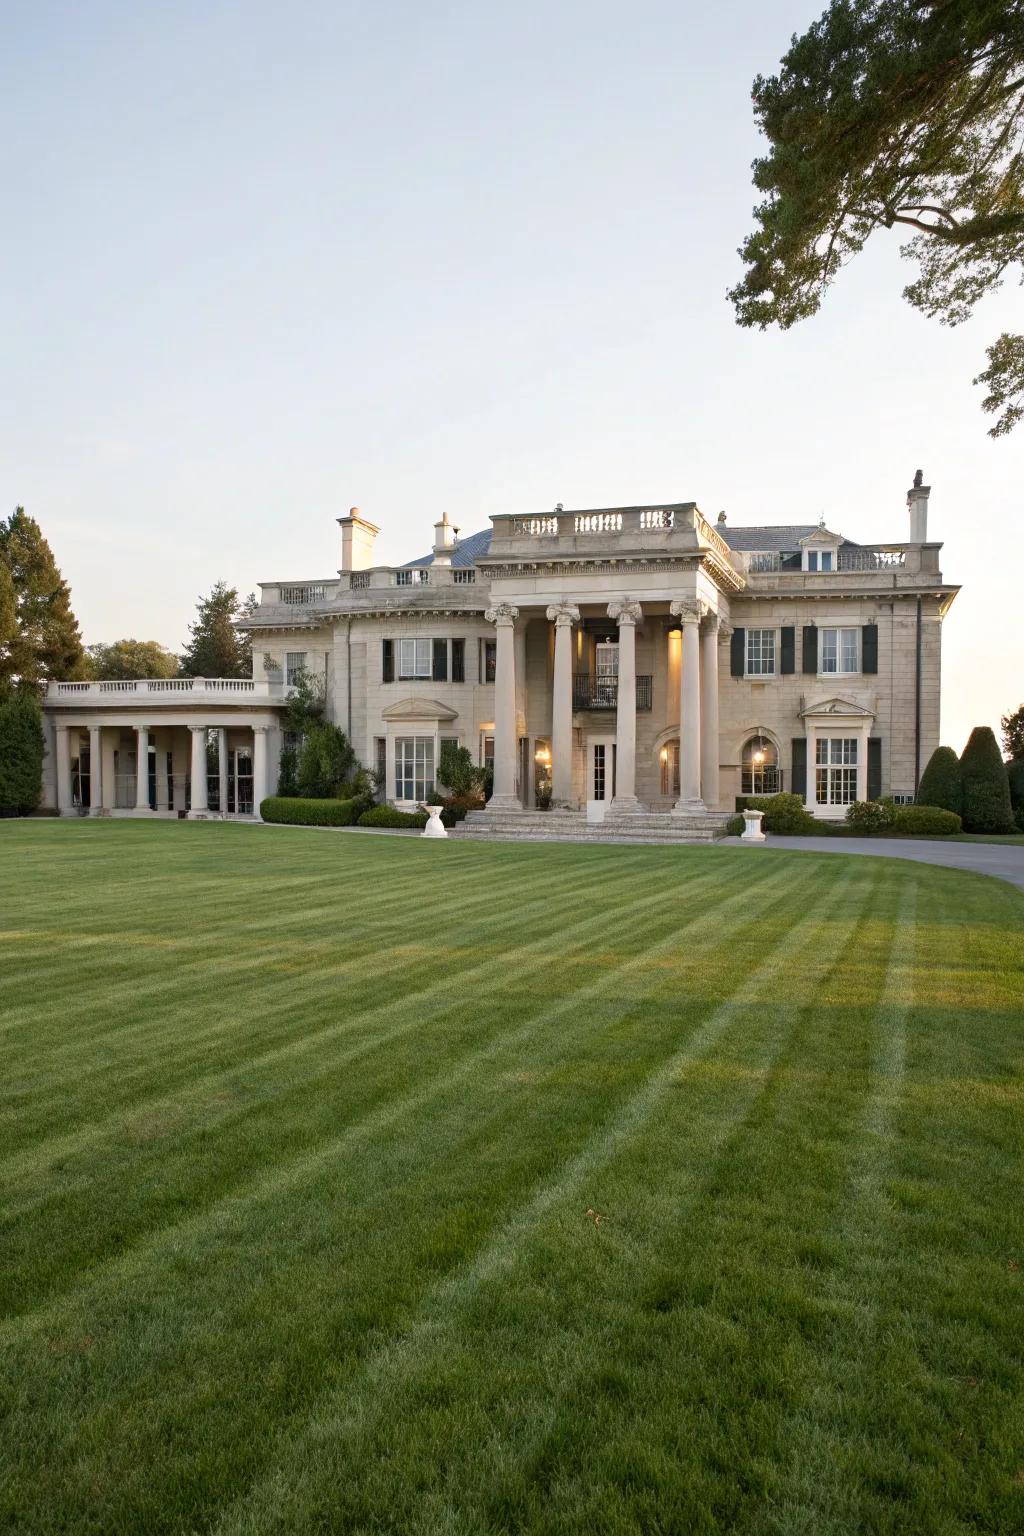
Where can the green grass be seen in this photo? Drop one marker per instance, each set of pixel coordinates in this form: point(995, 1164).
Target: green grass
point(360, 1184)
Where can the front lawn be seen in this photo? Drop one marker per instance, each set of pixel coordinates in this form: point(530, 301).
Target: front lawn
point(356, 1184)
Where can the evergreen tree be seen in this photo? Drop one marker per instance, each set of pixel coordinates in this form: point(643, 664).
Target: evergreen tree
point(325, 761)
point(1013, 733)
point(46, 642)
point(986, 787)
point(905, 114)
point(8, 615)
point(940, 783)
point(126, 659)
point(215, 647)
point(1015, 775)
point(21, 749)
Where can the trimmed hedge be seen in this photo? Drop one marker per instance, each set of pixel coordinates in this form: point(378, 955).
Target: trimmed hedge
point(941, 783)
point(926, 821)
point(784, 814)
point(986, 806)
point(388, 816)
point(292, 811)
point(871, 816)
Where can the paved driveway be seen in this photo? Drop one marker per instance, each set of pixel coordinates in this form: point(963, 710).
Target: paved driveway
point(999, 859)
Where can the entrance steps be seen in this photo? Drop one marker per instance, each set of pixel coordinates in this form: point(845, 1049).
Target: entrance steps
point(573, 827)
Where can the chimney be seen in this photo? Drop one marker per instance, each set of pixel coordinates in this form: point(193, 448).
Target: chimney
point(917, 503)
point(445, 536)
point(357, 536)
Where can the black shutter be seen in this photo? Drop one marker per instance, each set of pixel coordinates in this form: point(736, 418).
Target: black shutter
point(874, 767)
point(810, 648)
point(799, 776)
point(439, 672)
point(788, 657)
point(737, 652)
point(869, 650)
point(458, 661)
point(387, 660)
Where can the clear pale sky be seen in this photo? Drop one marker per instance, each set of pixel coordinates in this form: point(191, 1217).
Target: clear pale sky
point(264, 262)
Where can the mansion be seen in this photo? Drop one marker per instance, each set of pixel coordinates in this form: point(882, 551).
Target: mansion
point(619, 665)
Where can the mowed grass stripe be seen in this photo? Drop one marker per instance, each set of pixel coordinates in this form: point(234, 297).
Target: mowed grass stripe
point(339, 1431)
point(377, 1107)
point(532, 957)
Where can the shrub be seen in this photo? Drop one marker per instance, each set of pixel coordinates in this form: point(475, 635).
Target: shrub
point(782, 813)
point(941, 782)
point(292, 811)
point(326, 760)
point(458, 772)
point(986, 788)
point(1015, 778)
point(871, 816)
point(286, 780)
point(389, 816)
point(21, 751)
point(926, 821)
point(734, 826)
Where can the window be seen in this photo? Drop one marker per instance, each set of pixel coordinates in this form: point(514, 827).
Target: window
point(294, 663)
point(488, 660)
point(414, 658)
point(599, 770)
point(670, 769)
point(760, 653)
point(835, 771)
point(420, 577)
point(487, 752)
point(458, 661)
point(606, 671)
point(414, 768)
point(820, 559)
point(839, 650)
point(760, 768)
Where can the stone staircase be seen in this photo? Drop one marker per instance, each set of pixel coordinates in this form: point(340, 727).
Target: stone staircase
point(573, 827)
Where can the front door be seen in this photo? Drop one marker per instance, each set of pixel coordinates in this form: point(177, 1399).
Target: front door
point(600, 775)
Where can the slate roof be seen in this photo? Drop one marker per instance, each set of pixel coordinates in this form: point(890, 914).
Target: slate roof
point(466, 552)
point(784, 537)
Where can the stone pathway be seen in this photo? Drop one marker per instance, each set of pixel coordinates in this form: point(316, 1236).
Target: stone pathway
point(1001, 860)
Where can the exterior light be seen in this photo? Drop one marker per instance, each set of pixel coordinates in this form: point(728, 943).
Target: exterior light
point(664, 754)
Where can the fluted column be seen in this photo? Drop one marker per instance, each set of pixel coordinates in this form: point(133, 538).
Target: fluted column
point(689, 614)
point(709, 786)
point(222, 771)
point(199, 797)
point(142, 767)
point(260, 758)
point(503, 616)
point(627, 614)
point(95, 770)
point(563, 616)
point(64, 804)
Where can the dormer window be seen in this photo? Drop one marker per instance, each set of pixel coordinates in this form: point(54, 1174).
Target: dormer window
point(820, 559)
point(819, 551)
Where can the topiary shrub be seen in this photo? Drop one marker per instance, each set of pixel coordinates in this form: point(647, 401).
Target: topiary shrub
point(389, 816)
point(986, 788)
point(785, 814)
point(289, 810)
point(926, 821)
point(287, 783)
point(871, 816)
point(941, 783)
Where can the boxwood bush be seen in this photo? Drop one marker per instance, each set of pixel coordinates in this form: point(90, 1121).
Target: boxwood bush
point(389, 816)
point(782, 813)
point(871, 816)
point(986, 788)
point(941, 782)
point(926, 821)
point(296, 812)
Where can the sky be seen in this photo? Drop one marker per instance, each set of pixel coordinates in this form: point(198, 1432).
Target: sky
point(266, 262)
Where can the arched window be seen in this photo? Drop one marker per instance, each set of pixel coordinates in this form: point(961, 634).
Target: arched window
point(669, 761)
point(761, 772)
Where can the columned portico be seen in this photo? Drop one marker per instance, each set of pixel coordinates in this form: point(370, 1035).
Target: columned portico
point(627, 614)
point(503, 616)
point(689, 612)
point(563, 616)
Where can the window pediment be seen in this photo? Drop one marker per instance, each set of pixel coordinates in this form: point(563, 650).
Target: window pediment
point(420, 709)
point(837, 706)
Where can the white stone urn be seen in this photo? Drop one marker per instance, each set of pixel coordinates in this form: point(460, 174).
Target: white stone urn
point(435, 827)
point(752, 827)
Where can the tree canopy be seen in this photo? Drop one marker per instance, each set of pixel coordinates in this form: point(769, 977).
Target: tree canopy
point(1013, 734)
point(40, 639)
point(125, 659)
point(215, 648)
point(901, 114)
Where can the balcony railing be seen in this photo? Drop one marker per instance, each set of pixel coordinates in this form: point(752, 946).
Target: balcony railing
point(169, 691)
point(763, 562)
point(589, 692)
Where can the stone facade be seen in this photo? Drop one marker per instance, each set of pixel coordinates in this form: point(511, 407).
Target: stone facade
point(564, 649)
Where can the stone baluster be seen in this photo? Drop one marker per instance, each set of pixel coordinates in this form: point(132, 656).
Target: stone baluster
point(503, 616)
point(627, 613)
point(563, 616)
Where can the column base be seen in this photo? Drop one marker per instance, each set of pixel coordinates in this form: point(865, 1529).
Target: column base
point(689, 807)
point(504, 803)
point(199, 816)
point(71, 810)
point(98, 810)
point(624, 805)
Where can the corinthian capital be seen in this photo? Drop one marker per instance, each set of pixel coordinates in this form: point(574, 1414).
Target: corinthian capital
point(688, 610)
point(625, 610)
point(563, 615)
point(502, 613)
